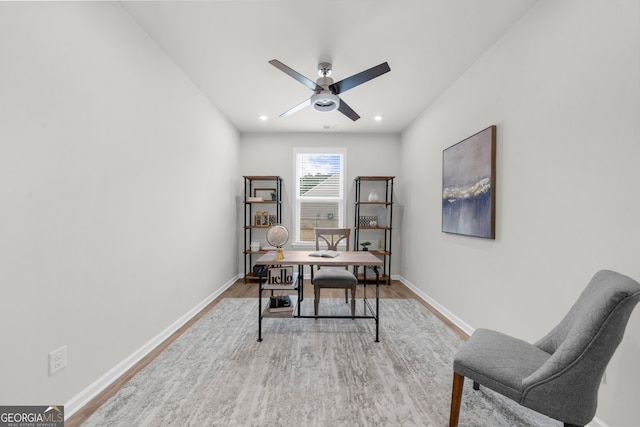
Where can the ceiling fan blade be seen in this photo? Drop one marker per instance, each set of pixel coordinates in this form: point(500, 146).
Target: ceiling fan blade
point(348, 111)
point(296, 75)
point(357, 79)
point(298, 107)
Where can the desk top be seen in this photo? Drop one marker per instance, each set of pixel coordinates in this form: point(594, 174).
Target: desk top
point(303, 258)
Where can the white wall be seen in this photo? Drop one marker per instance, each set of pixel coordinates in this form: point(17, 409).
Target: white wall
point(117, 195)
point(563, 89)
point(367, 154)
point(120, 187)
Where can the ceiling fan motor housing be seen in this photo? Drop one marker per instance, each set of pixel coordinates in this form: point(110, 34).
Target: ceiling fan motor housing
point(324, 69)
point(325, 101)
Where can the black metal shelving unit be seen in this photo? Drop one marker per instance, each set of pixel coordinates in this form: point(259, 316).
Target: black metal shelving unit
point(254, 228)
point(374, 219)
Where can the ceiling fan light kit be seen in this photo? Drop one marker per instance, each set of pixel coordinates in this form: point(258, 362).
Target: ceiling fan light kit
point(325, 101)
point(326, 97)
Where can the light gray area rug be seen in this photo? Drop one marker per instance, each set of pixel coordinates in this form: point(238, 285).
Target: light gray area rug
point(308, 372)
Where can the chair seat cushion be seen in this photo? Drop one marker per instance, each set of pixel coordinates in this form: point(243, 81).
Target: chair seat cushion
point(498, 361)
point(334, 277)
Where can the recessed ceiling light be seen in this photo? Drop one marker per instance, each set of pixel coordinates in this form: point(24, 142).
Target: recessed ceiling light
point(263, 117)
point(378, 118)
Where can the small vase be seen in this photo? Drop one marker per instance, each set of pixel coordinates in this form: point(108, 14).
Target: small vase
point(373, 196)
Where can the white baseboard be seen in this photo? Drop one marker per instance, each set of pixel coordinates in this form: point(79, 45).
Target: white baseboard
point(85, 396)
point(597, 422)
point(435, 304)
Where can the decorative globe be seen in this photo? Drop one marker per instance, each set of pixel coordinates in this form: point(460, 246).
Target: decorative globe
point(277, 236)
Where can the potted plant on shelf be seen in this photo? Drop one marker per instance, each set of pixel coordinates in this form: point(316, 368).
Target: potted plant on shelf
point(365, 245)
point(274, 196)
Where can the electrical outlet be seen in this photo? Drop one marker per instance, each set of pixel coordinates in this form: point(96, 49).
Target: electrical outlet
point(57, 360)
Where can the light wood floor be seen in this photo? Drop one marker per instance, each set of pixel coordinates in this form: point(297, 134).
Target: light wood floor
point(240, 289)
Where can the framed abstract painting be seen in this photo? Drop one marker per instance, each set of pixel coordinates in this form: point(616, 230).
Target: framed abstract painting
point(469, 186)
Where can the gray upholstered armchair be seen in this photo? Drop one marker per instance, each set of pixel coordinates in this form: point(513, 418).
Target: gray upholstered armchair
point(560, 374)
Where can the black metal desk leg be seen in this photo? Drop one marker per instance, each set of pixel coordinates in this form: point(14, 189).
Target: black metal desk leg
point(364, 290)
point(262, 270)
point(300, 286)
point(375, 269)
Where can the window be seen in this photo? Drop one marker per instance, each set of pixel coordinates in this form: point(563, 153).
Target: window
point(319, 175)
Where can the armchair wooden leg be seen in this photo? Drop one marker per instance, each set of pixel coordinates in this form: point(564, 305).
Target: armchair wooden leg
point(456, 399)
point(316, 299)
point(353, 302)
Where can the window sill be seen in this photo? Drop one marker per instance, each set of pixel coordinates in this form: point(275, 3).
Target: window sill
point(312, 247)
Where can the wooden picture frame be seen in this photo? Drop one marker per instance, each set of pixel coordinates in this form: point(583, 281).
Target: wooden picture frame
point(265, 193)
point(469, 186)
point(261, 219)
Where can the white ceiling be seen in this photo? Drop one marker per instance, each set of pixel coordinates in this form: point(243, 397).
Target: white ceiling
point(224, 47)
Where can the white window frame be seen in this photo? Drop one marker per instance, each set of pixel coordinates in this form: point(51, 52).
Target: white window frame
point(342, 151)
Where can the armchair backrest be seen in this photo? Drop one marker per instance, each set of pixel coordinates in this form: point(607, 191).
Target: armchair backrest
point(332, 237)
point(592, 314)
point(581, 346)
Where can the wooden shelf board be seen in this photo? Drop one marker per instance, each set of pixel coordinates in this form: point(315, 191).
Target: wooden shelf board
point(291, 287)
point(374, 178)
point(261, 177)
point(373, 203)
point(264, 202)
point(267, 313)
point(376, 252)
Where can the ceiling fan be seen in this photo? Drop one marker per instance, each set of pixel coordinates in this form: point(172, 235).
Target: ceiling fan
point(325, 97)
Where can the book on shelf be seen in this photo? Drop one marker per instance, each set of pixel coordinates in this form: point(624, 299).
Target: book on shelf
point(325, 254)
point(280, 304)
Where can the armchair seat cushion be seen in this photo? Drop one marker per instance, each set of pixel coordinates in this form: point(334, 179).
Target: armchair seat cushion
point(334, 277)
point(498, 361)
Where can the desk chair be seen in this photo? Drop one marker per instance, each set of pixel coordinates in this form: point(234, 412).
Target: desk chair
point(560, 374)
point(333, 277)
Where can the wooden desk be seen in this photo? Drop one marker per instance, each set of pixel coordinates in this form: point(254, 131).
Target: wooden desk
point(302, 258)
